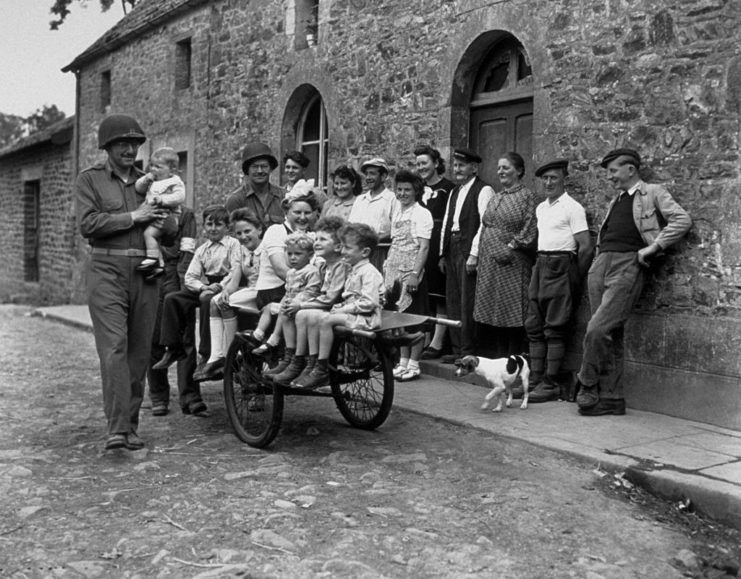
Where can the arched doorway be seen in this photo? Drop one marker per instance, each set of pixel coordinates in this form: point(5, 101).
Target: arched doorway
point(498, 113)
point(305, 129)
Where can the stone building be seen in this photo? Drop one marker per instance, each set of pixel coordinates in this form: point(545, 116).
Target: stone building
point(37, 220)
point(545, 77)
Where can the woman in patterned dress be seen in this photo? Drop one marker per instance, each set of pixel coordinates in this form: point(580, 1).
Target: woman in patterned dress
point(505, 239)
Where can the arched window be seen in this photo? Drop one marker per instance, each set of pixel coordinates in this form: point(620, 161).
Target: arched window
point(311, 139)
point(501, 107)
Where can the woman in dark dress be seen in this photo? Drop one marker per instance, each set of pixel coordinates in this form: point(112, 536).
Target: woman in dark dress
point(431, 168)
point(507, 236)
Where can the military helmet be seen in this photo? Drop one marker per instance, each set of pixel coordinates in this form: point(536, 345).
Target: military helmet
point(115, 127)
point(254, 151)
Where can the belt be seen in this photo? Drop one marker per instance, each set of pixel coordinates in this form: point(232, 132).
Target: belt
point(120, 252)
point(556, 253)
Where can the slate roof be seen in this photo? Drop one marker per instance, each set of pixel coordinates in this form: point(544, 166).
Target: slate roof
point(146, 15)
point(57, 134)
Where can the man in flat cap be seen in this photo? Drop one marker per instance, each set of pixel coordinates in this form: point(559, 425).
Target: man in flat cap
point(642, 220)
point(564, 253)
point(466, 205)
point(374, 207)
point(257, 193)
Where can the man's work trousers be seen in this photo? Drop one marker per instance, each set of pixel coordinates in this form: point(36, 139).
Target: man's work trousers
point(615, 281)
point(460, 290)
point(553, 294)
point(122, 308)
point(159, 385)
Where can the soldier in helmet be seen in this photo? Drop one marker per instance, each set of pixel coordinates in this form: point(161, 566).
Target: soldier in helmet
point(257, 193)
point(112, 217)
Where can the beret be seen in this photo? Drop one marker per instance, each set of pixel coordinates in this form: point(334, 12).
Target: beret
point(375, 162)
point(615, 153)
point(468, 155)
point(555, 164)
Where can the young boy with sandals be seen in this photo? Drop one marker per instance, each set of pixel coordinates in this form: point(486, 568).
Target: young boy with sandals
point(361, 299)
point(303, 346)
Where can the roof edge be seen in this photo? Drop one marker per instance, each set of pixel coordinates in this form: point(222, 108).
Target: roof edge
point(94, 52)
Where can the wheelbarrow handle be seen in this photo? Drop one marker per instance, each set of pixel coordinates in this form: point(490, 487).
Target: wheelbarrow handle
point(445, 322)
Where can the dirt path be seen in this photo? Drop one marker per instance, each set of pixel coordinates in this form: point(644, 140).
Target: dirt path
point(418, 498)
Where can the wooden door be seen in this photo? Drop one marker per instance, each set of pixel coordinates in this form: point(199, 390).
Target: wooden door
point(497, 129)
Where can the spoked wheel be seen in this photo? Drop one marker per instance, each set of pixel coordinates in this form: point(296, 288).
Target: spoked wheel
point(362, 381)
point(254, 406)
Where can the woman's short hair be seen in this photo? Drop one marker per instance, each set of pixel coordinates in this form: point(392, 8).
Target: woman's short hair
point(298, 157)
point(417, 183)
point(309, 198)
point(433, 154)
point(360, 233)
point(517, 162)
point(301, 241)
point(244, 214)
point(350, 174)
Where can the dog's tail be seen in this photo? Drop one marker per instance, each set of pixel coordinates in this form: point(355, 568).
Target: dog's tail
point(515, 364)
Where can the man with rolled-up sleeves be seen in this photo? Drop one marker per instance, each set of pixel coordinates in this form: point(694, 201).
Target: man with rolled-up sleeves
point(112, 216)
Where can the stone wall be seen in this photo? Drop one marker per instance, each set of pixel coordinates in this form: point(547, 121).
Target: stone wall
point(52, 166)
point(660, 76)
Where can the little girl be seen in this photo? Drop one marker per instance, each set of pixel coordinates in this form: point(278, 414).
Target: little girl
point(303, 283)
point(164, 189)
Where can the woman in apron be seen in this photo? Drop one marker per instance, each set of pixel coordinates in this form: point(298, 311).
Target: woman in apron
point(404, 269)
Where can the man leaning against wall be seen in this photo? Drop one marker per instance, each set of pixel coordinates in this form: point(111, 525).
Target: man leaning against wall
point(642, 221)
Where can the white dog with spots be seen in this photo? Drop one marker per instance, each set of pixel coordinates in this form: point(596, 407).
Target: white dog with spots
point(500, 374)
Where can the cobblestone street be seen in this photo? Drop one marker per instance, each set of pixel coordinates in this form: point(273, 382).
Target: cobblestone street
point(417, 498)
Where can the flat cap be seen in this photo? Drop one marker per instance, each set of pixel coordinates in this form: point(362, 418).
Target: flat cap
point(468, 155)
point(562, 164)
point(635, 158)
point(375, 162)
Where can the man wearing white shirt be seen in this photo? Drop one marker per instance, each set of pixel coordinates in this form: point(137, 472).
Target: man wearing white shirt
point(374, 207)
point(564, 253)
point(458, 244)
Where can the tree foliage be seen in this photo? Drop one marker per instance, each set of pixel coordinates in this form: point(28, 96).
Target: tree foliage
point(43, 118)
point(61, 8)
point(14, 127)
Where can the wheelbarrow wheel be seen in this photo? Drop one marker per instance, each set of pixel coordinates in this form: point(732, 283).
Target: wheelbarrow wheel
point(254, 405)
point(362, 381)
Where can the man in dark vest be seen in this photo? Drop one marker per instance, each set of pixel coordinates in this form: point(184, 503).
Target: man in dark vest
point(257, 193)
point(642, 220)
point(466, 205)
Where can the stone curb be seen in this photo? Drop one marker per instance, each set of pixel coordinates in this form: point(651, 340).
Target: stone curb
point(718, 500)
point(62, 319)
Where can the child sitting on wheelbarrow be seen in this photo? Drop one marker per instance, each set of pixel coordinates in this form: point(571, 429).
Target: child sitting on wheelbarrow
point(361, 300)
point(302, 283)
point(295, 362)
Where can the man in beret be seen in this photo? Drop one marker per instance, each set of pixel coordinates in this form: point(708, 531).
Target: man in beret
point(374, 207)
point(642, 220)
point(466, 205)
point(564, 253)
point(257, 193)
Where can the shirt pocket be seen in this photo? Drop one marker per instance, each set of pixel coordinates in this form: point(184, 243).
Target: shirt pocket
point(649, 220)
point(111, 202)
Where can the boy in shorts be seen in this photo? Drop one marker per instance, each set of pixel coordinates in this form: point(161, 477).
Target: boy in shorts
point(361, 299)
point(303, 281)
point(309, 313)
